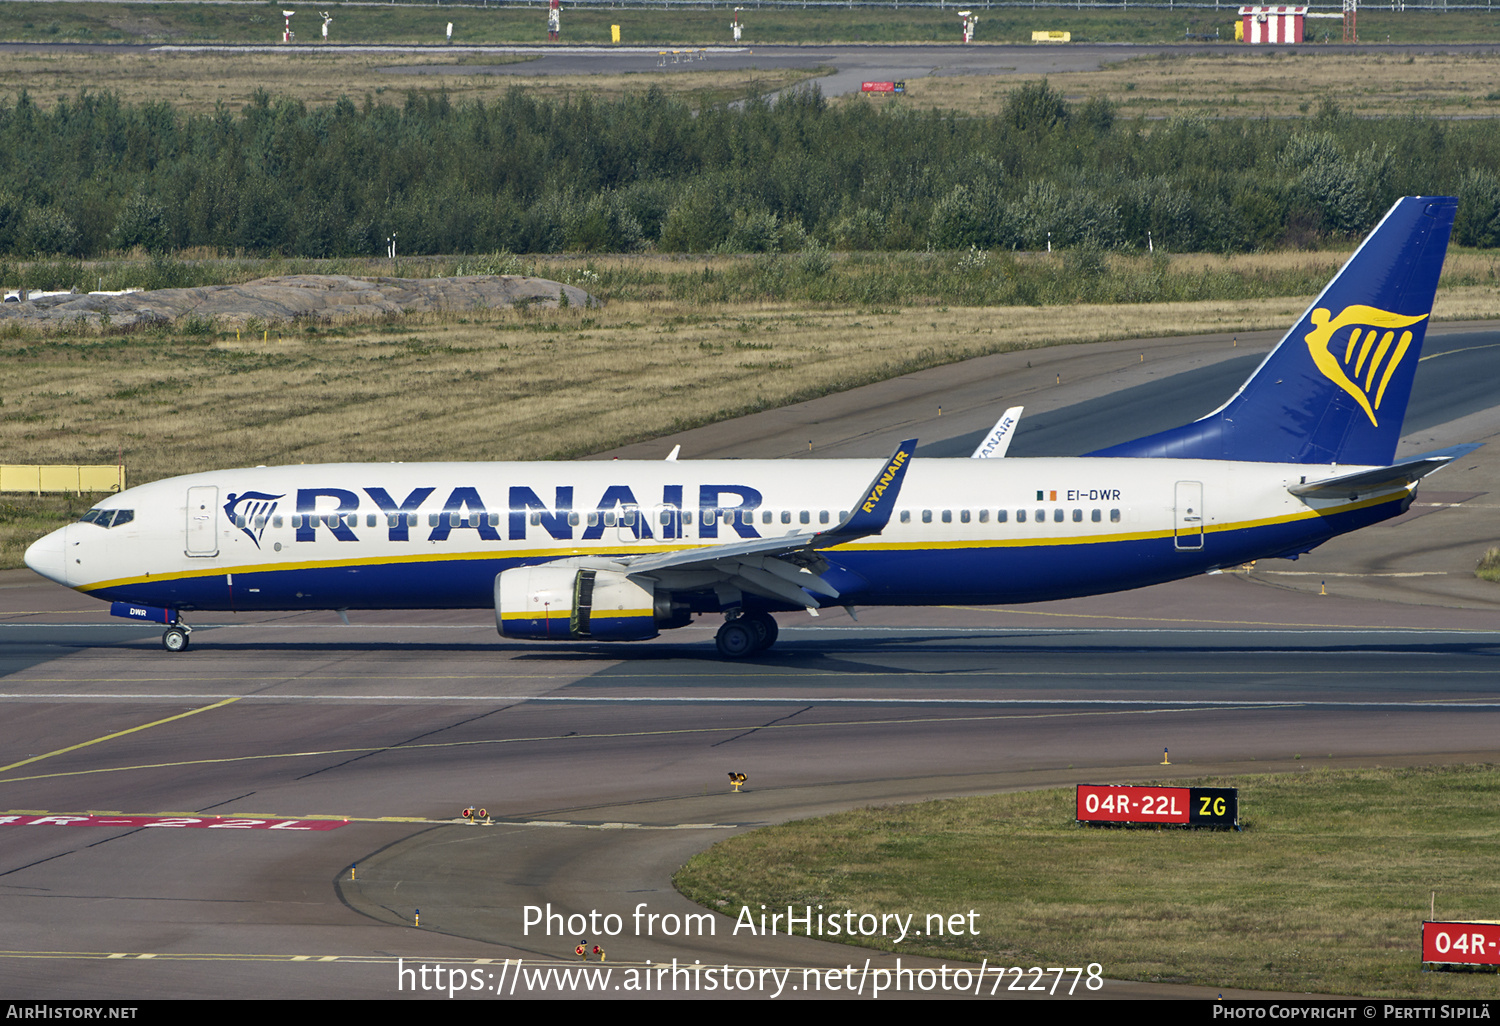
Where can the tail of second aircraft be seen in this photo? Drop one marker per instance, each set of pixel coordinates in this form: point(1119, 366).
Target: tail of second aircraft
point(1335, 389)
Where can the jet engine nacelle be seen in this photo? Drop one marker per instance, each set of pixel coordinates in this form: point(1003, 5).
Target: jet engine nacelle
point(562, 603)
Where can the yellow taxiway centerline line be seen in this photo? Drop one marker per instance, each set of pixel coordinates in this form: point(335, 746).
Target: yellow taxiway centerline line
point(118, 733)
point(620, 734)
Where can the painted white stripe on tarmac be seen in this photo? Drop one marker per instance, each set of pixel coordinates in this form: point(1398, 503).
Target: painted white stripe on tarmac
point(1133, 703)
point(854, 628)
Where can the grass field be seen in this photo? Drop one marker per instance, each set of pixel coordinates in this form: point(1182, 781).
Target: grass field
point(412, 23)
point(198, 83)
point(1235, 83)
point(1323, 892)
point(1243, 83)
point(519, 384)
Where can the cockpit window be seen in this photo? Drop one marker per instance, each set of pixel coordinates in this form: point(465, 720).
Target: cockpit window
point(107, 517)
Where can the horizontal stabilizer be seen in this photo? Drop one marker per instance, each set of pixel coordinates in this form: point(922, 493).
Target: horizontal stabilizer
point(1398, 474)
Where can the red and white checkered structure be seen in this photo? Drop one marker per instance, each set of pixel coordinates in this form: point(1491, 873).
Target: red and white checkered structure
point(1273, 24)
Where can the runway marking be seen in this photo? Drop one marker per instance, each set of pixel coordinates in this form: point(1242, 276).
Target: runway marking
point(268, 821)
point(1451, 352)
point(560, 961)
point(998, 629)
point(118, 733)
point(780, 699)
point(1371, 573)
point(169, 821)
point(1167, 619)
point(1146, 708)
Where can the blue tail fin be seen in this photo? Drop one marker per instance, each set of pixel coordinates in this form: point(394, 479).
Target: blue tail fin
point(1335, 389)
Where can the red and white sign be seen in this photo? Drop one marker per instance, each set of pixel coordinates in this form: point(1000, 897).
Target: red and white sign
point(1099, 803)
point(210, 822)
point(1461, 943)
point(1273, 24)
point(877, 87)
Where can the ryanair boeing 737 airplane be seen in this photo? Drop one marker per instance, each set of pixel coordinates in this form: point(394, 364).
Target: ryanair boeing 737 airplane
point(619, 551)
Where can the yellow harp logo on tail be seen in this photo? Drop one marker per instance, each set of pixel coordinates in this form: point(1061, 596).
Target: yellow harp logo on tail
point(1358, 350)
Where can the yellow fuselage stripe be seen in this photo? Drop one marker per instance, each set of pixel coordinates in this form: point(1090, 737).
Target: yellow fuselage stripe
point(862, 546)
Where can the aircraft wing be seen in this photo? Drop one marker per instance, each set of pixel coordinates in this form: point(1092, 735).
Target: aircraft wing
point(782, 567)
point(1402, 472)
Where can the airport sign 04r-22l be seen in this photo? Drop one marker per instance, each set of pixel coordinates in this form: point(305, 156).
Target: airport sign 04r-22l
point(1163, 806)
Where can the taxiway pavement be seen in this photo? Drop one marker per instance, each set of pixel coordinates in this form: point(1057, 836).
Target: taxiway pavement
point(605, 767)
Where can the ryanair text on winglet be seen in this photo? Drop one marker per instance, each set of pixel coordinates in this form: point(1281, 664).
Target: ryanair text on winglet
point(885, 479)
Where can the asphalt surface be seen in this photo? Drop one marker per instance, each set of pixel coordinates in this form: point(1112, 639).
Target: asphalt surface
point(605, 767)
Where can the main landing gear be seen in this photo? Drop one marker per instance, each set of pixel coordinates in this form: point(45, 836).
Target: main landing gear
point(176, 637)
point(746, 634)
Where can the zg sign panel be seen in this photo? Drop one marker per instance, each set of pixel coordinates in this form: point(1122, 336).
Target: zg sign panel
point(1461, 943)
point(1176, 806)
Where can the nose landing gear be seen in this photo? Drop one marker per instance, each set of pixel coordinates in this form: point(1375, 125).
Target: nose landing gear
point(176, 637)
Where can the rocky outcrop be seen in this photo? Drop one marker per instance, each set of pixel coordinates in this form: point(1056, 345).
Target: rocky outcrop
point(320, 297)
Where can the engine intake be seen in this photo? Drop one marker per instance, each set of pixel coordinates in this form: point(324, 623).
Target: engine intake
point(562, 603)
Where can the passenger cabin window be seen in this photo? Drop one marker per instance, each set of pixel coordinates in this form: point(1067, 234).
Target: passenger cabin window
point(1094, 516)
point(927, 516)
point(963, 516)
point(947, 516)
point(1114, 516)
point(804, 517)
point(906, 516)
point(1020, 516)
point(786, 516)
point(1001, 515)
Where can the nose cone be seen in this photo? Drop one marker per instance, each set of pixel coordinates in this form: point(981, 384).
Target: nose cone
point(47, 557)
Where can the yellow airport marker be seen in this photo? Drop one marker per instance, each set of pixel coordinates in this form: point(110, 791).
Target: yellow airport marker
point(416, 919)
point(736, 781)
point(1164, 760)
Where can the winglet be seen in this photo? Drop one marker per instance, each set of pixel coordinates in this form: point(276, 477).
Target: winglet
point(997, 442)
point(873, 511)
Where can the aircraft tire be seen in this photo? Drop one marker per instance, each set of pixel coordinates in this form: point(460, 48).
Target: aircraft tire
point(765, 627)
point(174, 639)
point(737, 639)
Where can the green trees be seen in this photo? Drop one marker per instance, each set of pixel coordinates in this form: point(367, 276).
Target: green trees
point(528, 175)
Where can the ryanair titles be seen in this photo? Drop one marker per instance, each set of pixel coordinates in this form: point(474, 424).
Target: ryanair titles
point(892, 470)
point(345, 514)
